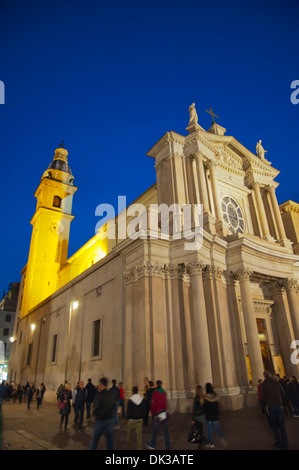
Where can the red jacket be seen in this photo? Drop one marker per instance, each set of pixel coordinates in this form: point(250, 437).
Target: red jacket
point(159, 401)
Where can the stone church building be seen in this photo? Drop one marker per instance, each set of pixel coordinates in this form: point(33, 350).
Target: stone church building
point(129, 308)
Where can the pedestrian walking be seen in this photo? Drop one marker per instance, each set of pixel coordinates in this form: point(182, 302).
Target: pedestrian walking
point(30, 391)
point(64, 404)
point(91, 390)
point(146, 387)
point(43, 390)
point(136, 410)
point(148, 399)
point(286, 402)
point(38, 396)
point(79, 398)
point(272, 396)
point(20, 393)
point(211, 410)
point(114, 389)
point(293, 394)
point(259, 396)
point(104, 406)
point(198, 414)
point(160, 415)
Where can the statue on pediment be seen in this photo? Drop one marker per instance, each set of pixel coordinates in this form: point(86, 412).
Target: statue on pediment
point(193, 118)
point(260, 151)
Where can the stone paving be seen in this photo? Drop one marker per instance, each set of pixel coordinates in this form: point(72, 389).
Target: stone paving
point(34, 429)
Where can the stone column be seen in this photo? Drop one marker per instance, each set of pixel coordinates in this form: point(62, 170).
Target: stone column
point(212, 167)
point(292, 287)
point(261, 211)
point(203, 364)
point(190, 185)
point(285, 330)
point(276, 212)
point(202, 182)
point(253, 344)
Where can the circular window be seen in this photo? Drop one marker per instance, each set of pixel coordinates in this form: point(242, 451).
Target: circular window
point(232, 214)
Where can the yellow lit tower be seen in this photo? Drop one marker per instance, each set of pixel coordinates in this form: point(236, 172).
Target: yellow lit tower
point(50, 232)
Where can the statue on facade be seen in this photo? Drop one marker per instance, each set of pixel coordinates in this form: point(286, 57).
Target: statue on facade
point(260, 151)
point(193, 118)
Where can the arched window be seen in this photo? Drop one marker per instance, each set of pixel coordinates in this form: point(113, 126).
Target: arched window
point(57, 201)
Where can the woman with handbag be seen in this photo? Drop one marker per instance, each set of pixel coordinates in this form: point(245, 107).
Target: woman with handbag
point(198, 416)
point(64, 405)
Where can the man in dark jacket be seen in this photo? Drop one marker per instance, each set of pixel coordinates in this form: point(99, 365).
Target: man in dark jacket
point(136, 410)
point(293, 394)
point(79, 397)
point(104, 406)
point(116, 391)
point(272, 396)
point(91, 390)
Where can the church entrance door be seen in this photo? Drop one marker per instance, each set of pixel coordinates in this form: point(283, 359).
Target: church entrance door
point(264, 344)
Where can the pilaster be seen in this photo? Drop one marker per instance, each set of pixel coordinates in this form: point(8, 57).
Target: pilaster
point(253, 344)
point(261, 212)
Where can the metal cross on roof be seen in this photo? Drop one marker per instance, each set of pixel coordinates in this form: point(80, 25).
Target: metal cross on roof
point(61, 145)
point(212, 114)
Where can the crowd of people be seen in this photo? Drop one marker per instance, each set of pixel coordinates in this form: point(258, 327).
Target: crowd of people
point(24, 393)
point(277, 397)
point(147, 407)
point(103, 402)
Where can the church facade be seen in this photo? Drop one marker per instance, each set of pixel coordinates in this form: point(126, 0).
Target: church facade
point(128, 307)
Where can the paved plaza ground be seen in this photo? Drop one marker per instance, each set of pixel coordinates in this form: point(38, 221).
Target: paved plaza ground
point(33, 429)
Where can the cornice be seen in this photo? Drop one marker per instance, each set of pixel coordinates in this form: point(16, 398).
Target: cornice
point(289, 206)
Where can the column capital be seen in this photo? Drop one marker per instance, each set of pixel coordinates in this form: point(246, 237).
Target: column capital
point(190, 157)
point(196, 267)
point(198, 154)
point(211, 164)
point(291, 284)
point(276, 287)
point(255, 185)
point(270, 188)
point(213, 272)
point(231, 277)
point(243, 273)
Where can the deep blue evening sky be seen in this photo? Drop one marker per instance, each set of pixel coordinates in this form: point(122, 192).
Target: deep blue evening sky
point(111, 77)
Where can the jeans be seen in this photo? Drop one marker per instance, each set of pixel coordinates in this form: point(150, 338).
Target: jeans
point(88, 406)
point(79, 413)
point(213, 426)
point(121, 404)
point(276, 421)
point(156, 425)
point(100, 426)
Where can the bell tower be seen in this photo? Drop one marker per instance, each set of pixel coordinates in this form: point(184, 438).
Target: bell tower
point(50, 232)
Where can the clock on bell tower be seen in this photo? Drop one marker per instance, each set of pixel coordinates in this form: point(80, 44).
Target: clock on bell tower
point(50, 232)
